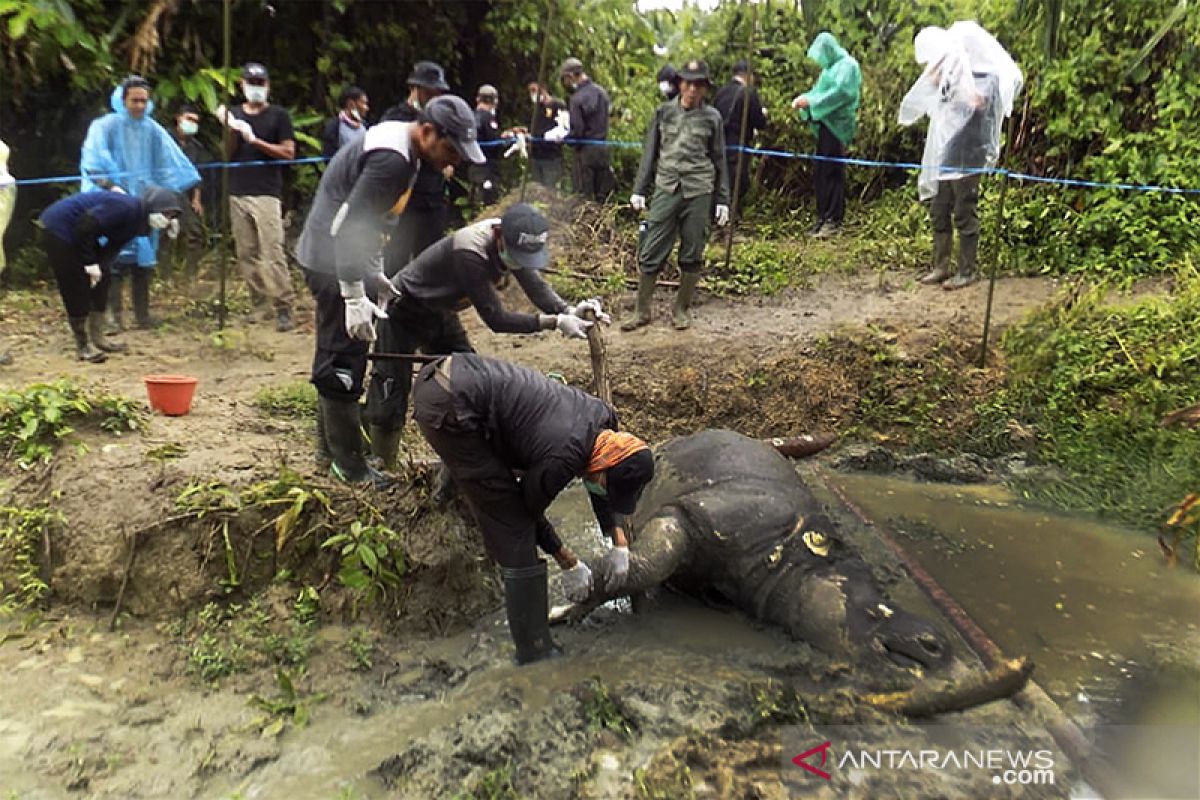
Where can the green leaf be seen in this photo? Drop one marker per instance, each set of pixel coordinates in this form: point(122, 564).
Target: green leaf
point(274, 729)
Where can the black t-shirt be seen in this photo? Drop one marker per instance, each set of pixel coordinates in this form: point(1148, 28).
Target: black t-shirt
point(545, 120)
point(273, 125)
point(487, 129)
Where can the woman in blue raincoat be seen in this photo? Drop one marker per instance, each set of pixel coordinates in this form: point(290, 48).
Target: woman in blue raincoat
point(127, 151)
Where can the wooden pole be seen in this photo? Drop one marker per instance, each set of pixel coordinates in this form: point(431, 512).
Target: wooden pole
point(987, 312)
point(742, 157)
point(599, 353)
point(541, 76)
point(223, 260)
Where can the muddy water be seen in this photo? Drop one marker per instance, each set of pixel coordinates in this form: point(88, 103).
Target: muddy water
point(1113, 632)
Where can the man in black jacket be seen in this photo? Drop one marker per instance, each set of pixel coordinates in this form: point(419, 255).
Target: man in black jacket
point(734, 100)
point(589, 107)
point(367, 184)
point(464, 269)
point(490, 419)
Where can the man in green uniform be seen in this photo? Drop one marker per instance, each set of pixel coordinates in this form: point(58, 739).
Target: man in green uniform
point(684, 160)
point(832, 108)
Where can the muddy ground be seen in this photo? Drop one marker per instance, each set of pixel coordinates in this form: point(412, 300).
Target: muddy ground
point(418, 699)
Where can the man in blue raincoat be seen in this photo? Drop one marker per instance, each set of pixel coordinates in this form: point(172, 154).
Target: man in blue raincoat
point(127, 151)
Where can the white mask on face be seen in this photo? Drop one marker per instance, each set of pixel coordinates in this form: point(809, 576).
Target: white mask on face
point(189, 128)
point(664, 87)
point(357, 116)
point(158, 220)
point(255, 94)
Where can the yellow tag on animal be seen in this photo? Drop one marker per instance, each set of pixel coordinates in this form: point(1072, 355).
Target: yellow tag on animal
point(817, 542)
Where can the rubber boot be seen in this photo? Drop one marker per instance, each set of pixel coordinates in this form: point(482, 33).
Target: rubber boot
point(84, 348)
point(95, 329)
point(343, 435)
point(527, 601)
point(113, 317)
point(968, 252)
point(321, 454)
point(141, 299)
point(682, 314)
point(943, 246)
point(645, 297)
point(385, 444)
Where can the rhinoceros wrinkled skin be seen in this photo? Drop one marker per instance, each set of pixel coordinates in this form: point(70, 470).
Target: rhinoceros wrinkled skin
point(728, 516)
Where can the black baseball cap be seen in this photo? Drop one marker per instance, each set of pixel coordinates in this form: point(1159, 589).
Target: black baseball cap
point(695, 72)
point(525, 235)
point(429, 75)
point(627, 479)
point(254, 71)
point(457, 121)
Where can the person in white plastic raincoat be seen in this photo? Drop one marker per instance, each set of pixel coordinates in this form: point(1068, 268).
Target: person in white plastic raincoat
point(126, 150)
point(967, 89)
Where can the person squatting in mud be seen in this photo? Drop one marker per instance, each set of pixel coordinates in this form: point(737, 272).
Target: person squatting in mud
point(462, 270)
point(490, 420)
point(367, 184)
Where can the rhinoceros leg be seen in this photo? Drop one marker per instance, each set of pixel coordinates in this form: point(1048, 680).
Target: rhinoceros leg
point(657, 550)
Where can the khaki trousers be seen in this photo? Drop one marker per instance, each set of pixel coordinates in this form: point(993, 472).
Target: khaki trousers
point(257, 223)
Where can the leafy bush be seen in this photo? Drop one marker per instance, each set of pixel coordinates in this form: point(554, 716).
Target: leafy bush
point(21, 534)
point(35, 419)
point(293, 401)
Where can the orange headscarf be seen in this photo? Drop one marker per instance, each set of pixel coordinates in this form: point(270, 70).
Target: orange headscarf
point(611, 448)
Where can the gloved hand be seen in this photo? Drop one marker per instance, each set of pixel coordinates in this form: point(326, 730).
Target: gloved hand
point(94, 274)
point(117, 189)
point(556, 134)
point(385, 292)
point(591, 304)
point(721, 215)
point(563, 119)
point(243, 127)
point(577, 582)
point(637, 202)
point(572, 326)
point(360, 312)
point(618, 568)
point(800, 101)
point(518, 147)
point(173, 228)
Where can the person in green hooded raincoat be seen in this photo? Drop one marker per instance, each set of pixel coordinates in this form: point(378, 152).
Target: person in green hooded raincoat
point(832, 108)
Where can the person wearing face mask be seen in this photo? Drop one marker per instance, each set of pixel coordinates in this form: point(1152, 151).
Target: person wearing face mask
point(195, 200)
point(465, 269)
point(127, 151)
point(349, 124)
point(82, 236)
point(668, 82)
point(485, 178)
point(545, 156)
point(684, 162)
point(490, 420)
point(589, 108)
point(258, 131)
point(428, 212)
point(367, 184)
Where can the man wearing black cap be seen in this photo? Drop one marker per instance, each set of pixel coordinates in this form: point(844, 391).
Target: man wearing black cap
point(684, 162)
point(485, 178)
point(589, 106)
point(259, 131)
point(367, 183)
point(489, 419)
point(464, 269)
point(734, 100)
point(427, 216)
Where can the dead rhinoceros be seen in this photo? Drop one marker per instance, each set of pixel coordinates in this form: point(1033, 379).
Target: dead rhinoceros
point(727, 516)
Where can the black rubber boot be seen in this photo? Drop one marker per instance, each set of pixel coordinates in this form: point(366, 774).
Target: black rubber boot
point(83, 347)
point(114, 318)
point(95, 327)
point(682, 313)
point(385, 445)
point(141, 299)
point(343, 435)
point(645, 297)
point(527, 601)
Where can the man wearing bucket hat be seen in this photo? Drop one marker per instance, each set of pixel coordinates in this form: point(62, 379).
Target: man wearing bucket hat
point(427, 216)
point(488, 420)
point(684, 162)
point(464, 269)
point(367, 184)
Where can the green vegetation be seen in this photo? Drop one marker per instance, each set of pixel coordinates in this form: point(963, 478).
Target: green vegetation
point(290, 401)
point(226, 639)
point(22, 532)
point(372, 561)
point(287, 706)
point(676, 785)
point(495, 784)
point(34, 420)
point(602, 711)
point(361, 649)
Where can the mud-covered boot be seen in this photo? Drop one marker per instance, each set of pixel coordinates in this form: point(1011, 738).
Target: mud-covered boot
point(343, 433)
point(645, 296)
point(681, 315)
point(95, 327)
point(141, 299)
point(943, 246)
point(114, 319)
point(527, 602)
point(968, 252)
point(84, 348)
point(385, 445)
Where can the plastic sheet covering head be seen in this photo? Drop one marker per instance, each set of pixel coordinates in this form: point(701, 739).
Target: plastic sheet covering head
point(134, 154)
point(8, 199)
point(966, 89)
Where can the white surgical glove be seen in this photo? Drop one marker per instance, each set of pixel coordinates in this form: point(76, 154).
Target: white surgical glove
point(117, 189)
point(637, 202)
point(360, 312)
point(721, 215)
point(94, 274)
point(796, 101)
point(556, 134)
point(618, 568)
point(577, 582)
point(572, 326)
point(517, 147)
point(591, 304)
point(385, 292)
point(563, 119)
point(243, 127)
point(173, 228)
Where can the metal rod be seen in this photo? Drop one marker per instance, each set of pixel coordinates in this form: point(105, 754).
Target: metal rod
point(742, 157)
point(541, 76)
point(987, 313)
point(223, 260)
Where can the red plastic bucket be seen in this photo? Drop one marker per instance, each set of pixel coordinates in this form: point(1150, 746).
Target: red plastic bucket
point(171, 394)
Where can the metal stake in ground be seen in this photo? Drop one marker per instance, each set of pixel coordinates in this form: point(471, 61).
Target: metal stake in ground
point(222, 262)
point(742, 156)
point(987, 313)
